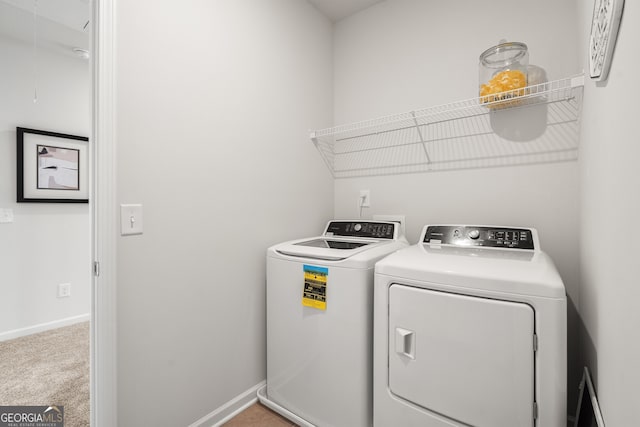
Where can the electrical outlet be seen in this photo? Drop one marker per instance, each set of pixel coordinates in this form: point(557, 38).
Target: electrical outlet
point(365, 199)
point(64, 290)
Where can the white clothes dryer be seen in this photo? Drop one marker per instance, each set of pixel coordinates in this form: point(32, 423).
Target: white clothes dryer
point(320, 323)
point(470, 330)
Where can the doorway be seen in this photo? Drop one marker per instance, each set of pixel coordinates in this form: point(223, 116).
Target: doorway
point(46, 251)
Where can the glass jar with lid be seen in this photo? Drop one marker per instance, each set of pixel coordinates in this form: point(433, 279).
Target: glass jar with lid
point(503, 68)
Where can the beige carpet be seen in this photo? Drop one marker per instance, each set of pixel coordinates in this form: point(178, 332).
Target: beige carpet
point(49, 368)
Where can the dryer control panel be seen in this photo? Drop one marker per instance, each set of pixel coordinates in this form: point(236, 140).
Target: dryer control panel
point(479, 236)
point(365, 229)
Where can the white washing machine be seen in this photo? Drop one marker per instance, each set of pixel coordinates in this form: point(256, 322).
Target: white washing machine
point(320, 323)
point(470, 330)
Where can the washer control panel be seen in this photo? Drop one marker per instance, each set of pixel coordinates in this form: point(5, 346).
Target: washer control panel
point(366, 229)
point(492, 237)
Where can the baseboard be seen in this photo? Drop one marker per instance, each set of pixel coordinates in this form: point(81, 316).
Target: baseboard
point(262, 397)
point(230, 409)
point(23, 332)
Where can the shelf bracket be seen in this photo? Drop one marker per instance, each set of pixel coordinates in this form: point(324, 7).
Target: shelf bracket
point(424, 143)
point(577, 81)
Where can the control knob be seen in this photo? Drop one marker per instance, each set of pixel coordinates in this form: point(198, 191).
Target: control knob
point(474, 234)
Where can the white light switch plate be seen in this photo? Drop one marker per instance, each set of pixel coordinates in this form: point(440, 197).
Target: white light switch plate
point(130, 219)
point(6, 215)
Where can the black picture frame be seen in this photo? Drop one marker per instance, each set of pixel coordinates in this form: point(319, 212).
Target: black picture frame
point(52, 167)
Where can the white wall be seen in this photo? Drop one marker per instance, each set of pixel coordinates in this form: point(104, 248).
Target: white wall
point(402, 55)
point(47, 244)
point(610, 204)
point(214, 103)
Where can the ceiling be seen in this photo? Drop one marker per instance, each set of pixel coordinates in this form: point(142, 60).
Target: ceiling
point(61, 24)
point(64, 24)
point(73, 14)
point(336, 10)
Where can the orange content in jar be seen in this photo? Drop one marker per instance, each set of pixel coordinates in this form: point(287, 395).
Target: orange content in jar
point(503, 81)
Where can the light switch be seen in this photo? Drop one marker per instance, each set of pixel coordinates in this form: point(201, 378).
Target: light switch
point(6, 216)
point(130, 219)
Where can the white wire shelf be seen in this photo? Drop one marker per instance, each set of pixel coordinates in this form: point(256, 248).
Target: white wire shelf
point(536, 124)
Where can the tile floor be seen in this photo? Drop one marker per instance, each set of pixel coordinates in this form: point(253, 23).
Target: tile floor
point(258, 415)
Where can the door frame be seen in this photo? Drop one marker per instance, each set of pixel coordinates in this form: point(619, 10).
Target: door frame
point(104, 219)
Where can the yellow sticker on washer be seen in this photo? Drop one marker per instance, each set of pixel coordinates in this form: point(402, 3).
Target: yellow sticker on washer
point(315, 287)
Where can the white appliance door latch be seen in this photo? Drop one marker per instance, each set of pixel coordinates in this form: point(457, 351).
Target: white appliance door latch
point(406, 343)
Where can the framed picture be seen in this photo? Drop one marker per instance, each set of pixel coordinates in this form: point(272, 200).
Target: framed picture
point(52, 167)
point(605, 23)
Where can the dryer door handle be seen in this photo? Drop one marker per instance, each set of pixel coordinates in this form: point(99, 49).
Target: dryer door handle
point(406, 343)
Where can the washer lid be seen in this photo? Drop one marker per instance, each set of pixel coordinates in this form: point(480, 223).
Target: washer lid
point(325, 248)
point(333, 244)
point(361, 242)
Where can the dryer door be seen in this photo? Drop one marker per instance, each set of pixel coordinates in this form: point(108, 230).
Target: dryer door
point(468, 358)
